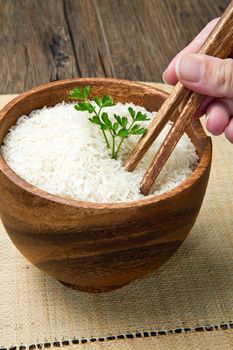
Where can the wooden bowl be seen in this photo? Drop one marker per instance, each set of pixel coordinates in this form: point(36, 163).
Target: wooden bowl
point(89, 246)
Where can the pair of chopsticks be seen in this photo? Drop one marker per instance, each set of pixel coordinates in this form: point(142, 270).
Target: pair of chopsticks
point(219, 44)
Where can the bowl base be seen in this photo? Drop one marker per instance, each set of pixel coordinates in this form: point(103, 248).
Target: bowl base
point(89, 289)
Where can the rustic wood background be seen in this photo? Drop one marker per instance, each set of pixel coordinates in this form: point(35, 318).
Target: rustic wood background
point(47, 40)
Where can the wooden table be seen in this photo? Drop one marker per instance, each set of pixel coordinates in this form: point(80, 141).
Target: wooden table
point(47, 40)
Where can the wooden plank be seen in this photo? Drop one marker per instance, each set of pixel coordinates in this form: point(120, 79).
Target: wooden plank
point(143, 36)
point(35, 44)
point(89, 36)
point(44, 40)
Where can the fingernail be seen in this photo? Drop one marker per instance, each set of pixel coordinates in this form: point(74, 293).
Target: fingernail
point(190, 67)
point(163, 77)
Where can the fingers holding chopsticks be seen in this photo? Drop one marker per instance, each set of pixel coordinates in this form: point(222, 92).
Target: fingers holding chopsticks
point(169, 75)
point(208, 76)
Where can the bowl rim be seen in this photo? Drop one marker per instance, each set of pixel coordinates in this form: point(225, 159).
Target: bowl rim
point(202, 166)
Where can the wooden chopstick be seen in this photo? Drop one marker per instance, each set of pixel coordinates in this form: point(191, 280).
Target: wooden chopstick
point(219, 44)
point(170, 142)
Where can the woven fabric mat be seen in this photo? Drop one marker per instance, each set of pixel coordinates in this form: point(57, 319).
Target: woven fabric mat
point(192, 291)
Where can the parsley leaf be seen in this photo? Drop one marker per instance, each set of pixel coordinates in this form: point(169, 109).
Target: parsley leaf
point(118, 129)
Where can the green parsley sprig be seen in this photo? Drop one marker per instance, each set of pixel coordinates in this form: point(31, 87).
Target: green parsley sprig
point(117, 130)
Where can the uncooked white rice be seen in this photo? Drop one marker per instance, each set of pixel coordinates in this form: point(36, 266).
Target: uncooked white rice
point(58, 150)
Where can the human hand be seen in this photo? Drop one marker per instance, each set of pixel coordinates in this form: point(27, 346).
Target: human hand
point(210, 76)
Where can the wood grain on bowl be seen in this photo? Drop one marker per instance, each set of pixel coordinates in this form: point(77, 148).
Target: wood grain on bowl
point(91, 246)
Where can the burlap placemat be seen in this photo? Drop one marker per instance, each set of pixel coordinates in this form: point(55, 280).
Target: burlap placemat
point(221, 340)
point(192, 291)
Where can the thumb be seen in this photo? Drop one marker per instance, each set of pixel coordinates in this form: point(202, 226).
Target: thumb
point(206, 75)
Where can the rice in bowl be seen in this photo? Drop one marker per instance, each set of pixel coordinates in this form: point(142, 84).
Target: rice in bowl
point(58, 150)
